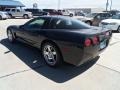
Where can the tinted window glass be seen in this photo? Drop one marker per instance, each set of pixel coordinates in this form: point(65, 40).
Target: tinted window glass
point(68, 24)
point(116, 17)
point(41, 23)
point(98, 16)
point(13, 10)
point(37, 23)
point(7, 10)
point(18, 10)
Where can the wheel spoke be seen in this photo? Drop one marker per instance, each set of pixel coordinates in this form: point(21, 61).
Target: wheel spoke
point(46, 53)
point(10, 36)
point(49, 48)
point(54, 53)
point(50, 54)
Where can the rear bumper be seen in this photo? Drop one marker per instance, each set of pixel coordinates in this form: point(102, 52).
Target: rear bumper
point(76, 55)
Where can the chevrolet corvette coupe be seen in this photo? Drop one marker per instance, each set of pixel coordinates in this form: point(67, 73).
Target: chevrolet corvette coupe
point(61, 39)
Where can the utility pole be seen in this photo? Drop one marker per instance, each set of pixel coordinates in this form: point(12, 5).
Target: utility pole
point(107, 4)
point(111, 5)
point(59, 2)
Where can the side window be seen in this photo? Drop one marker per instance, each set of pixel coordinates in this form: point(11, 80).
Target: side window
point(7, 10)
point(108, 16)
point(37, 23)
point(119, 16)
point(60, 24)
point(13, 10)
point(105, 16)
point(57, 24)
point(98, 16)
point(18, 10)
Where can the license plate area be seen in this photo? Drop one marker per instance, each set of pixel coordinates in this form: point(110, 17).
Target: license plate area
point(103, 44)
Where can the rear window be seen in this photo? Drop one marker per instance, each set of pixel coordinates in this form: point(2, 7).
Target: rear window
point(68, 24)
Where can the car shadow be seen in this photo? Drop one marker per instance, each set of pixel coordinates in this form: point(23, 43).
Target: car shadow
point(32, 57)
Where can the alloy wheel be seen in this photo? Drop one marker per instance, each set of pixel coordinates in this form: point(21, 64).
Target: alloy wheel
point(25, 16)
point(10, 36)
point(119, 29)
point(50, 55)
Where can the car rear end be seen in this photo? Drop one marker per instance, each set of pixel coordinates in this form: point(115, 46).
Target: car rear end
point(95, 44)
point(89, 44)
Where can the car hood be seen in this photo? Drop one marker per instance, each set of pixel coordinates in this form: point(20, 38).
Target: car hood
point(3, 12)
point(111, 21)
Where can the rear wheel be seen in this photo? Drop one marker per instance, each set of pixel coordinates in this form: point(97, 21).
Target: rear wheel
point(71, 15)
point(118, 29)
point(51, 54)
point(25, 16)
point(10, 35)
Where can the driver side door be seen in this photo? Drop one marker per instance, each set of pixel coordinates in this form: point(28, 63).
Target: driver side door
point(32, 31)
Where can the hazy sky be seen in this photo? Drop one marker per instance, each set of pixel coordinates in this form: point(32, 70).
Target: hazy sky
point(70, 3)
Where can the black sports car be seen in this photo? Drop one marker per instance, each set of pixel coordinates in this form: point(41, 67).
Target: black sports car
point(62, 39)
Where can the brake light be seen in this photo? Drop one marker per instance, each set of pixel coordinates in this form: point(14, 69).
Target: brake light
point(88, 42)
point(95, 40)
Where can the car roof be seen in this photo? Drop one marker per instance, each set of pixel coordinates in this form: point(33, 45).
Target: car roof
point(56, 16)
point(101, 12)
point(10, 8)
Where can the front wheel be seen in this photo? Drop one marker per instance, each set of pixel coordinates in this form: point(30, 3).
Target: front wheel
point(10, 35)
point(118, 29)
point(71, 15)
point(51, 54)
point(0, 17)
point(25, 16)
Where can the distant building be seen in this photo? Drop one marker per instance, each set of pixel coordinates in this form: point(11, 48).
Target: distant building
point(10, 4)
point(86, 10)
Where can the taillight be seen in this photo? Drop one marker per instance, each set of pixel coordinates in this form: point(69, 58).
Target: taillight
point(88, 42)
point(95, 40)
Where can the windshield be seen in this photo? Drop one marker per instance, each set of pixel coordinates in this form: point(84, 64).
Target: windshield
point(116, 17)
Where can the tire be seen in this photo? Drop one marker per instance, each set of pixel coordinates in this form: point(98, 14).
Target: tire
point(51, 54)
point(71, 15)
point(11, 36)
point(0, 17)
point(10, 16)
point(88, 22)
point(25, 16)
point(118, 29)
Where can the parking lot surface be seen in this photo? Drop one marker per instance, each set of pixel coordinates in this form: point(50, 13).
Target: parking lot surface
point(22, 68)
